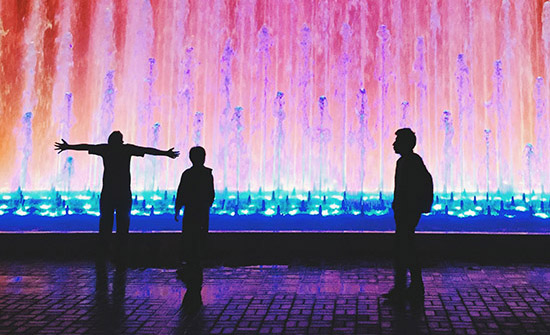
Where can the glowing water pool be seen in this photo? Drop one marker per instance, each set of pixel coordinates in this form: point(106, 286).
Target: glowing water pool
point(64, 212)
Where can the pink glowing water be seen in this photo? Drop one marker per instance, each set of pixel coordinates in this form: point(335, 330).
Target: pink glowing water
point(171, 73)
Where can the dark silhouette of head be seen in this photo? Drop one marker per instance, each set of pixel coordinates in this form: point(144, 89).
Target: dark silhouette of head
point(405, 141)
point(197, 155)
point(115, 138)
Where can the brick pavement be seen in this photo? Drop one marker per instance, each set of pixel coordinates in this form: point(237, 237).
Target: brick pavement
point(100, 298)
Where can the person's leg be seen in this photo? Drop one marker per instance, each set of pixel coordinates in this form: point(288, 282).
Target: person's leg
point(191, 235)
point(414, 264)
point(186, 244)
point(400, 261)
point(194, 242)
point(204, 234)
point(106, 210)
point(123, 208)
point(397, 293)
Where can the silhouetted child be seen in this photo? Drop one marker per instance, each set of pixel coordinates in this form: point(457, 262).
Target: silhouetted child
point(410, 199)
point(115, 193)
point(196, 194)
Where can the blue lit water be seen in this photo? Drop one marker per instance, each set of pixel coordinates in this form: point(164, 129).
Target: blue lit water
point(53, 211)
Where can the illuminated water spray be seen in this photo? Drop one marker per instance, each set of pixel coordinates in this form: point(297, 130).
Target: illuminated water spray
point(529, 153)
point(383, 35)
point(154, 133)
point(265, 42)
point(422, 89)
point(104, 120)
point(497, 108)
point(435, 32)
point(127, 72)
point(184, 98)
point(61, 96)
point(342, 93)
point(447, 123)
point(546, 38)
point(26, 148)
point(404, 119)
point(237, 141)
point(279, 139)
point(364, 136)
point(225, 115)
point(465, 117)
point(323, 135)
point(106, 114)
point(305, 117)
point(541, 130)
point(152, 130)
point(507, 72)
point(66, 171)
point(30, 61)
point(198, 123)
point(487, 137)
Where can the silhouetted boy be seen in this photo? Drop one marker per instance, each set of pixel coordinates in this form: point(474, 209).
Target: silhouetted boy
point(407, 205)
point(196, 193)
point(115, 193)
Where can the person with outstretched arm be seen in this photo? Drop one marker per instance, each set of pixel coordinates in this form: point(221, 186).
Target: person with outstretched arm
point(116, 194)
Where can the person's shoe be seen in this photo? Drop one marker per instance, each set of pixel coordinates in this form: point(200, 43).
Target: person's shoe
point(395, 295)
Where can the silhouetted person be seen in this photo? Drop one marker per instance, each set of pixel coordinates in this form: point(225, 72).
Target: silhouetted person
point(408, 204)
point(196, 194)
point(115, 194)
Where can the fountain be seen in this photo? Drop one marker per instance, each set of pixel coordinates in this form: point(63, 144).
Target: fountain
point(147, 69)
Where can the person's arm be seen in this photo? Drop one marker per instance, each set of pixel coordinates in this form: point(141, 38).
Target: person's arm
point(179, 199)
point(63, 145)
point(156, 152)
point(397, 203)
point(212, 193)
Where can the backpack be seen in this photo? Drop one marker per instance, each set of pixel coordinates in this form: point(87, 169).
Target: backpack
point(426, 192)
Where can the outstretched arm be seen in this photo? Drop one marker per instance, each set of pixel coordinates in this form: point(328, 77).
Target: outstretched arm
point(156, 152)
point(63, 145)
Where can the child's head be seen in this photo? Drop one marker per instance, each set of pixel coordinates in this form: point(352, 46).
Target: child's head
point(197, 155)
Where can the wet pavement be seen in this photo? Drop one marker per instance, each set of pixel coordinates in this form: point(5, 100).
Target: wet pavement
point(86, 297)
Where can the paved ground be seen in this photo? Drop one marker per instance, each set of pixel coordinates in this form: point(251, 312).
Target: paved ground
point(87, 297)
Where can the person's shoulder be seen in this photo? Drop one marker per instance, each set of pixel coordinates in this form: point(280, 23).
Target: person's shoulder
point(413, 157)
point(186, 175)
point(417, 157)
point(98, 148)
point(133, 149)
point(203, 170)
point(410, 160)
point(131, 146)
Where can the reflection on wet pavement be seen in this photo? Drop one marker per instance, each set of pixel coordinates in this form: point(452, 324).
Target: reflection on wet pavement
point(100, 297)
